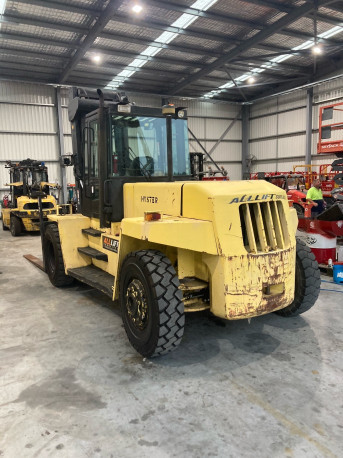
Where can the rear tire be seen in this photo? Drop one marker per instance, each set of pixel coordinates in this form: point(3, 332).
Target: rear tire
point(15, 226)
point(151, 303)
point(4, 228)
point(54, 264)
point(307, 282)
point(299, 209)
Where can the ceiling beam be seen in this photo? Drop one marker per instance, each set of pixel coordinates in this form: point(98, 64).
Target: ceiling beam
point(34, 39)
point(76, 29)
point(9, 18)
point(63, 6)
point(120, 38)
point(251, 42)
point(95, 12)
point(93, 33)
point(33, 54)
point(218, 17)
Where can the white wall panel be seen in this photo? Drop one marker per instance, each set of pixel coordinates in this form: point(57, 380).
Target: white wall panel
point(65, 121)
point(263, 127)
point(197, 126)
point(27, 118)
point(21, 146)
point(68, 148)
point(225, 151)
point(292, 146)
point(264, 149)
point(293, 121)
point(293, 100)
point(234, 171)
point(263, 108)
point(216, 127)
point(264, 167)
point(329, 90)
point(26, 93)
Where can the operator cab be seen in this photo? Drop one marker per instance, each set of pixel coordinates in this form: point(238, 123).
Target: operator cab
point(115, 142)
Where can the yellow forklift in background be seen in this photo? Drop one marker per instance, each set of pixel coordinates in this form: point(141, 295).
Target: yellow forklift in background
point(162, 243)
point(21, 211)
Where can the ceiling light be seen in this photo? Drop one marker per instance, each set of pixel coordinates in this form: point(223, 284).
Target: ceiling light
point(251, 80)
point(317, 49)
point(137, 8)
point(96, 58)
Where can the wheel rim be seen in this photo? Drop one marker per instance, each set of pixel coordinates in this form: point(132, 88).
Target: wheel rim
point(136, 304)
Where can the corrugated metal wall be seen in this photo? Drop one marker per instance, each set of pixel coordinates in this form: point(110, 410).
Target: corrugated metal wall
point(29, 128)
point(278, 128)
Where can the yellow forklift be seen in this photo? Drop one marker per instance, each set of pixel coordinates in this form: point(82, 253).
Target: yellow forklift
point(21, 211)
point(162, 243)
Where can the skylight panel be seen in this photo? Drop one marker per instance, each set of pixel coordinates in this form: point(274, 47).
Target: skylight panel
point(184, 21)
point(277, 60)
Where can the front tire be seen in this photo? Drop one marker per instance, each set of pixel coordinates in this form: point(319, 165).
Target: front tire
point(151, 303)
point(307, 282)
point(54, 264)
point(15, 226)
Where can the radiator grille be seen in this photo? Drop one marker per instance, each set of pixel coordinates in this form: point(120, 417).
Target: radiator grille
point(264, 226)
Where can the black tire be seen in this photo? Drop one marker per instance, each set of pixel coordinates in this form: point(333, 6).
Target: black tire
point(148, 279)
point(330, 201)
point(4, 228)
point(54, 264)
point(15, 226)
point(299, 209)
point(307, 282)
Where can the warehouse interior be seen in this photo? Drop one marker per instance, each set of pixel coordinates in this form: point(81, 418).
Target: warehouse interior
point(256, 80)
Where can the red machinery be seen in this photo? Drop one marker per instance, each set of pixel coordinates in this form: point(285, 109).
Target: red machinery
point(293, 184)
point(334, 145)
point(6, 201)
point(323, 172)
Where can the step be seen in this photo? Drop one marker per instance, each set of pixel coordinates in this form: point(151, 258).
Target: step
point(92, 232)
point(93, 253)
point(95, 277)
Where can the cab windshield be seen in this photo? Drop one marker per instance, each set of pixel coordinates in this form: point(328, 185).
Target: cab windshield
point(139, 146)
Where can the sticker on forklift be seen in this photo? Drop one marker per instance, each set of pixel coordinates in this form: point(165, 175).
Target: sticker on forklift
point(253, 198)
point(110, 244)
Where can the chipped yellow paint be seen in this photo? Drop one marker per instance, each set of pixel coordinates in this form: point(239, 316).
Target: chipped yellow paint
point(201, 233)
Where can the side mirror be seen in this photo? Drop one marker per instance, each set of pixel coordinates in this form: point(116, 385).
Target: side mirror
point(67, 160)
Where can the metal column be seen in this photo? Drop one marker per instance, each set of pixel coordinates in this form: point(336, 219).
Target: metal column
point(64, 193)
point(309, 106)
point(245, 140)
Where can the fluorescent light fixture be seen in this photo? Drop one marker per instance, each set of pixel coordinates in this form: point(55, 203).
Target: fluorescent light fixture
point(137, 8)
point(96, 58)
point(184, 21)
point(277, 60)
point(317, 49)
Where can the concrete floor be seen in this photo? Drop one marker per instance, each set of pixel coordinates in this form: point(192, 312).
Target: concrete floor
point(72, 386)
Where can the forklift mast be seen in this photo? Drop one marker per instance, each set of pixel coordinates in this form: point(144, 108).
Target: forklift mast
point(27, 176)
